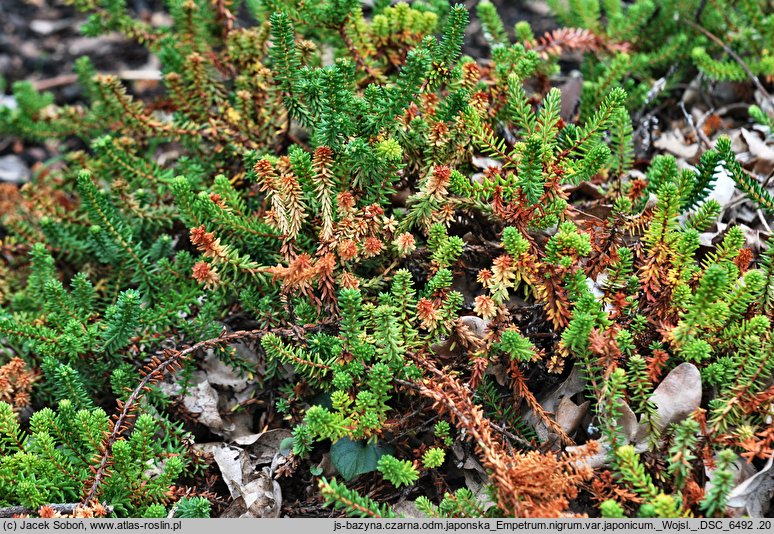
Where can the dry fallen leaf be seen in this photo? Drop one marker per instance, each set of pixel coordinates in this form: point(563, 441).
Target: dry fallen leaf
point(707, 239)
point(13, 169)
point(452, 346)
point(265, 445)
point(222, 375)
point(762, 152)
point(752, 497)
point(634, 432)
point(724, 187)
point(675, 398)
point(219, 389)
point(551, 401)
point(202, 401)
point(484, 163)
point(570, 415)
point(254, 492)
point(477, 325)
point(571, 97)
point(572, 385)
point(230, 461)
point(674, 143)
point(261, 497)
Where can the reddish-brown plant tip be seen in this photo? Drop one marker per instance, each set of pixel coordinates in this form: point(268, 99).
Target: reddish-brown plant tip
point(405, 244)
point(206, 274)
point(372, 247)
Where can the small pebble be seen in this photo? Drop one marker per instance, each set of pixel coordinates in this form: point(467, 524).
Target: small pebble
point(13, 169)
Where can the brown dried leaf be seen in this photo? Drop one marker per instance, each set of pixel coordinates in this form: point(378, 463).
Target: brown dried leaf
point(677, 396)
point(673, 142)
point(753, 496)
point(570, 415)
point(202, 401)
point(254, 493)
point(263, 447)
point(261, 497)
point(763, 153)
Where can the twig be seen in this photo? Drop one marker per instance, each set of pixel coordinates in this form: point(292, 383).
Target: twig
point(69, 79)
point(700, 11)
point(64, 508)
point(657, 87)
point(734, 202)
point(733, 55)
point(721, 111)
point(382, 277)
point(56, 81)
point(511, 436)
point(700, 135)
point(225, 17)
point(763, 220)
point(376, 75)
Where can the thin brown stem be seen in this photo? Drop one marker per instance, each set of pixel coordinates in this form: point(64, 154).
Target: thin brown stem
point(733, 55)
point(375, 74)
